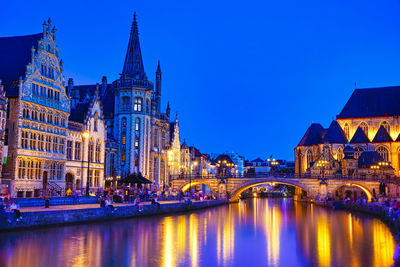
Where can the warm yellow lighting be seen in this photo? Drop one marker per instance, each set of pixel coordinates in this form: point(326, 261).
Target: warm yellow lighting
point(195, 163)
point(85, 135)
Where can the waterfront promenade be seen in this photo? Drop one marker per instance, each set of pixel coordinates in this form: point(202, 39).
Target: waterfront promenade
point(70, 214)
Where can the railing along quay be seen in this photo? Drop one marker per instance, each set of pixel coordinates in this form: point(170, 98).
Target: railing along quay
point(287, 176)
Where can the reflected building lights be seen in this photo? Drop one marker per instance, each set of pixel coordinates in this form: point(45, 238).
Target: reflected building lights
point(323, 241)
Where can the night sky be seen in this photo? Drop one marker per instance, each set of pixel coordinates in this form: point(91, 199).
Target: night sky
point(244, 76)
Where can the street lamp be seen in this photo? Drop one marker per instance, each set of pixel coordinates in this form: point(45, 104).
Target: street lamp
point(190, 178)
point(85, 136)
point(321, 165)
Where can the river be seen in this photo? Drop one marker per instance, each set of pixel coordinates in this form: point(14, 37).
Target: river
point(255, 232)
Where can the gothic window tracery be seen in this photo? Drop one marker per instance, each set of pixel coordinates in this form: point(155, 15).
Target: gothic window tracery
point(386, 125)
point(383, 151)
point(309, 158)
point(340, 154)
point(358, 150)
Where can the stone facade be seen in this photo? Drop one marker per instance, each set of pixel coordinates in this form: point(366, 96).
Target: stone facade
point(38, 121)
point(368, 122)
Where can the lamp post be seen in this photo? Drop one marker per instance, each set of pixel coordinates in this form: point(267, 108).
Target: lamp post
point(85, 136)
point(321, 165)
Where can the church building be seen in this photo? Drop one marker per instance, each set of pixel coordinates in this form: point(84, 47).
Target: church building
point(363, 141)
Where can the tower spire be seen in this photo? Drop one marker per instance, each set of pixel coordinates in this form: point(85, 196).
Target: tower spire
point(133, 66)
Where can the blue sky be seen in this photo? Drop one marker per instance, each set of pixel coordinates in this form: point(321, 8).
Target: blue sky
point(244, 76)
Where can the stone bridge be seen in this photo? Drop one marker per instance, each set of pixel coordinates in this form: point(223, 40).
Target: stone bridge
point(315, 187)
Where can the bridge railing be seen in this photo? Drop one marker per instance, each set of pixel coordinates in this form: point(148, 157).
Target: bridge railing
point(286, 176)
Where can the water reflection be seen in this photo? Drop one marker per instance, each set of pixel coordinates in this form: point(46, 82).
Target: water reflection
point(259, 232)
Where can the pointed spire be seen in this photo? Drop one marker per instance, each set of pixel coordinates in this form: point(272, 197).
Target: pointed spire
point(158, 66)
point(168, 109)
point(133, 66)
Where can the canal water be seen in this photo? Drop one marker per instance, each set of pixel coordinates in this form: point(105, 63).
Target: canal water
point(255, 232)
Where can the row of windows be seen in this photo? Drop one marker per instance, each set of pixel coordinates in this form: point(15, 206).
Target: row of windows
point(42, 117)
point(47, 71)
point(137, 104)
point(94, 178)
point(42, 142)
point(43, 91)
point(29, 169)
point(94, 151)
point(364, 126)
point(383, 151)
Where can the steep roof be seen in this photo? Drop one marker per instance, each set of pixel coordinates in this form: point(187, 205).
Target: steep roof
point(224, 157)
point(372, 102)
point(78, 114)
point(15, 55)
point(382, 136)
point(335, 134)
point(133, 66)
point(359, 137)
point(368, 158)
point(108, 99)
point(313, 135)
point(184, 145)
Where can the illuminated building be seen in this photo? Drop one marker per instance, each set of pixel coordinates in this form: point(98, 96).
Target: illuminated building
point(368, 124)
point(45, 144)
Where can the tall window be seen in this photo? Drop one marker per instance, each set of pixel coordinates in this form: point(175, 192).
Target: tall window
point(24, 139)
point(155, 138)
point(91, 148)
point(123, 156)
point(309, 158)
point(55, 144)
point(138, 104)
point(77, 150)
point(96, 182)
point(386, 125)
point(347, 131)
point(358, 150)
point(69, 149)
point(21, 169)
point(126, 103)
point(364, 127)
point(61, 145)
point(98, 150)
point(339, 154)
point(137, 125)
point(48, 143)
point(383, 152)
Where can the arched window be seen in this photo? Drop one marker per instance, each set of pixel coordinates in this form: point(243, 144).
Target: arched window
point(309, 158)
point(364, 127)
point(138, 104)
point(339, 154)
point(126, 102)
point(137, 124)
point(95, 122)
point(346, 131)
point(358, 150)
point(383, 152)
point(386, 125)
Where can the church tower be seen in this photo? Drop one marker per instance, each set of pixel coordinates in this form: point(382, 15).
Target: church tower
point(139, 127)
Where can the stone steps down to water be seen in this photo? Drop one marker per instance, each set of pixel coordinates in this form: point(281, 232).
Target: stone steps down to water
point(55, 217)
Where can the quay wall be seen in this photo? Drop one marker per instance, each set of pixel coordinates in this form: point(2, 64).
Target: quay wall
point(62, 217)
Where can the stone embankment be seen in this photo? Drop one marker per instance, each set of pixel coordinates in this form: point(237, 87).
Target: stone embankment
point(58, 216)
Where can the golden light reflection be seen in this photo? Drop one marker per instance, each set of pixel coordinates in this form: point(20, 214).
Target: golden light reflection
point(273, 223)
point(168, 252)
point(323, 241)
point(383, 245)
point(194, 244)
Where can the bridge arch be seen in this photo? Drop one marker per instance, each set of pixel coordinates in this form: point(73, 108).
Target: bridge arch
point(365, 189)
point(240, 190)
point(196, 182)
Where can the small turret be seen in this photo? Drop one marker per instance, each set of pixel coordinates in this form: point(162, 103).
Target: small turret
point(44, 27)
point(168, 111)
point(158, 87)
point(103, 85)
